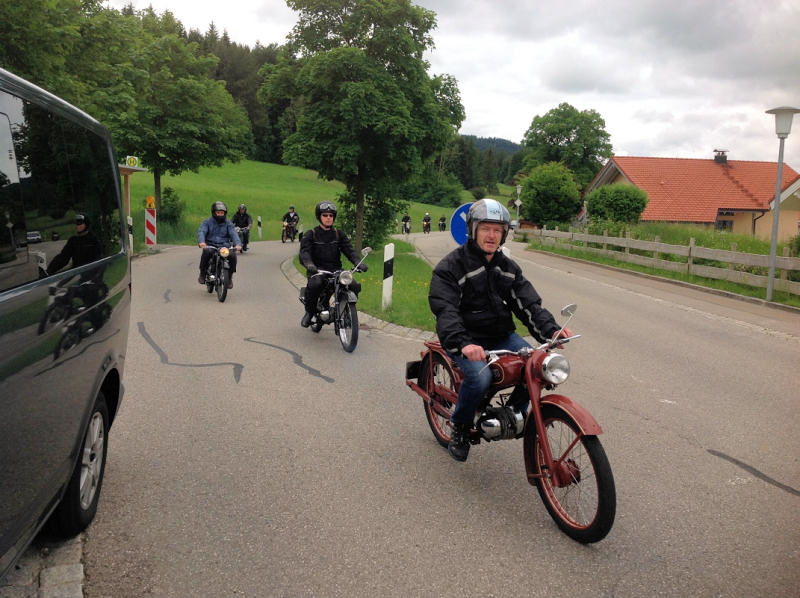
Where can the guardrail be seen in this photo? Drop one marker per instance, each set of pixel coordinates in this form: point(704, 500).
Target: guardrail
point(741, 267)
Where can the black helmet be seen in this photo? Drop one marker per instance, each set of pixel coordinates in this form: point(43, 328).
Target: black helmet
point(325, 206)
point(241, 205)
point(487, 210)
point(80, 218)
point(218, 205)
point(291, 207)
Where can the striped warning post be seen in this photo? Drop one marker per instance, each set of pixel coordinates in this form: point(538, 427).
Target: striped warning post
point(150, 226)
point(388, 275)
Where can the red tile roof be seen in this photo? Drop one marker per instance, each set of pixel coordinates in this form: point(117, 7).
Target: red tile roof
point(693, 190)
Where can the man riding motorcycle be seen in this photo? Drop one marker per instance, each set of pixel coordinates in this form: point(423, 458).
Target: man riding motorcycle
point(291, 218)
point(320, 249)
point(243, 220)
point(475, 291)
point(217, 231)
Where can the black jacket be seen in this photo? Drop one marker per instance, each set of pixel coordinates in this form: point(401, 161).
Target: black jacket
point(242, 220)
point(322, 248)
point(81, 249)
point(474, 299)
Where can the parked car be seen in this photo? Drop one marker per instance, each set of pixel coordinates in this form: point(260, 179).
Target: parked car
point(63, 334)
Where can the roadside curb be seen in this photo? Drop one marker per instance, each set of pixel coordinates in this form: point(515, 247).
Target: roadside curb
point(53, 569)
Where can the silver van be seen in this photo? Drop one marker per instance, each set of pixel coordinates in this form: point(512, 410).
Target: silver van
point(64, 313)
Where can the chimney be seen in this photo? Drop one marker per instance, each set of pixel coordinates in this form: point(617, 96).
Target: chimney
point(720, 156)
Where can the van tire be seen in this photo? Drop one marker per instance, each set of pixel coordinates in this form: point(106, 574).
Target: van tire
point(79, 504)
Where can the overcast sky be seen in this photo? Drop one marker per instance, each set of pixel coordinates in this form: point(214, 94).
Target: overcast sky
point(670, 79)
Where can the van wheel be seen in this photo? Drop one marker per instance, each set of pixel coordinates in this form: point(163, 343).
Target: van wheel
point(79, 504)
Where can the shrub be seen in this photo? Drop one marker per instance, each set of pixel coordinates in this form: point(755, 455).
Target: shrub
point(171, 206)
point(619, 202)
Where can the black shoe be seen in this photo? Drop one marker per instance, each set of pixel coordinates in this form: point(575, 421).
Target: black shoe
point(458, 446)
point(201, 279)
point(230, 283)
point(306, 321)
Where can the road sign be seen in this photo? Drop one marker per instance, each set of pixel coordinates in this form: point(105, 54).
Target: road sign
point(132, 161)
point(458, 224)
point(149, 227)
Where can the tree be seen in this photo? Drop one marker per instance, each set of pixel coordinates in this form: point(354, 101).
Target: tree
point(368, 114)
point(181, 118)
point(550, 195)
point(619, 202)
point(576, 139)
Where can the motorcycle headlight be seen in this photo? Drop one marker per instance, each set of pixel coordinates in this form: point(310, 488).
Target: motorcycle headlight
point(555, 368)
point(346, 277)
point(224, 252)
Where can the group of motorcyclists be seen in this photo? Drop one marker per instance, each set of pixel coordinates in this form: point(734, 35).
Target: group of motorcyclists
point(426, 223)
point(474, 293)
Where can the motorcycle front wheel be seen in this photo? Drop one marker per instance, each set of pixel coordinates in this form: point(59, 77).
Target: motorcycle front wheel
point(438, 379)
point(348, 325)
point(284, 236)
point(222, 283)
point(585, 506)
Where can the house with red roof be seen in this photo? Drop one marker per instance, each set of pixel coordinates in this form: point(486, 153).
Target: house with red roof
point(735, 195)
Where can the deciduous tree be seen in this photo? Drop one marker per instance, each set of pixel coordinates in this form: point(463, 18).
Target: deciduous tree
point(575, 138)
point(550, 195)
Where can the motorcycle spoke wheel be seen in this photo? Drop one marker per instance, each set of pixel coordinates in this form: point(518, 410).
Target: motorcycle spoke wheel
point(584, 504)
point(222, 285)
point(440, 382)
point(283, 236)
point(348, 326)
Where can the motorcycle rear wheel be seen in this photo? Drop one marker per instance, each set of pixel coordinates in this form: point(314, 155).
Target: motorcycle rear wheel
point(222, 284)
point(348, 326)
point(437, 374)
point(585, 508)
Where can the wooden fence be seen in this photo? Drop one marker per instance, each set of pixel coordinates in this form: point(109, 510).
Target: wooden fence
point(685, 257)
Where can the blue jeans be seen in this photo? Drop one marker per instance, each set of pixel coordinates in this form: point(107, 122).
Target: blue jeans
point(476, 383)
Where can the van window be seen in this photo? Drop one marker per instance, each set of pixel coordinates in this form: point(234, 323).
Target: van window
point(52, 170)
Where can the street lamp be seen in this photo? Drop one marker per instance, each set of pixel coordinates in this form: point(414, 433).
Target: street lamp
point(783, 125)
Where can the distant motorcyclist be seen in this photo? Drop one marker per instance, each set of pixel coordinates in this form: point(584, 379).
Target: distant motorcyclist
point(291, 217)
point(217, 231)
point(406, 220)
point(426, 223)
point(442, 222)
point(243, 220)
point(321, 249)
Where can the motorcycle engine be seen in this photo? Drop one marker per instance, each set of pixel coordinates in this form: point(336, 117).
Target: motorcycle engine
point(501, 423)
point(325, 316)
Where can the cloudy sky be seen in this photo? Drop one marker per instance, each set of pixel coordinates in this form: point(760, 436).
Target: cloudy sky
point(670, 79)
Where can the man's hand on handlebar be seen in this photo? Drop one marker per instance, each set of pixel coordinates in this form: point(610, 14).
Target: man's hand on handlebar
point(474, 353)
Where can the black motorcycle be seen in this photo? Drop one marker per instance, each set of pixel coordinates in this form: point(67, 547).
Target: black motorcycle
point(218, 272)
point(337, 304)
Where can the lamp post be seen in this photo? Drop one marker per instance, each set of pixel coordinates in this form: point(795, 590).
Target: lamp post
point(783, 125)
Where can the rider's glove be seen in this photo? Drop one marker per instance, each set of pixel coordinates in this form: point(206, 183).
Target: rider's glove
point(311, 269)
point(361, 268)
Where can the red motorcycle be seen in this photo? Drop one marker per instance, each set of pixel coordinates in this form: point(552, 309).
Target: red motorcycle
point(563, 456)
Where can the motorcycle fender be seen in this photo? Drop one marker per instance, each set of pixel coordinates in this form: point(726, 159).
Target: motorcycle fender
point(351, 297)
point(586, 422)
point(226, 265)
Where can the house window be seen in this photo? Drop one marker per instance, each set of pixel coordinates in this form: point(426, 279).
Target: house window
point(723, 225)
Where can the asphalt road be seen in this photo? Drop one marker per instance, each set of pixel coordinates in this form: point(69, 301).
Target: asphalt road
point(255, 458)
